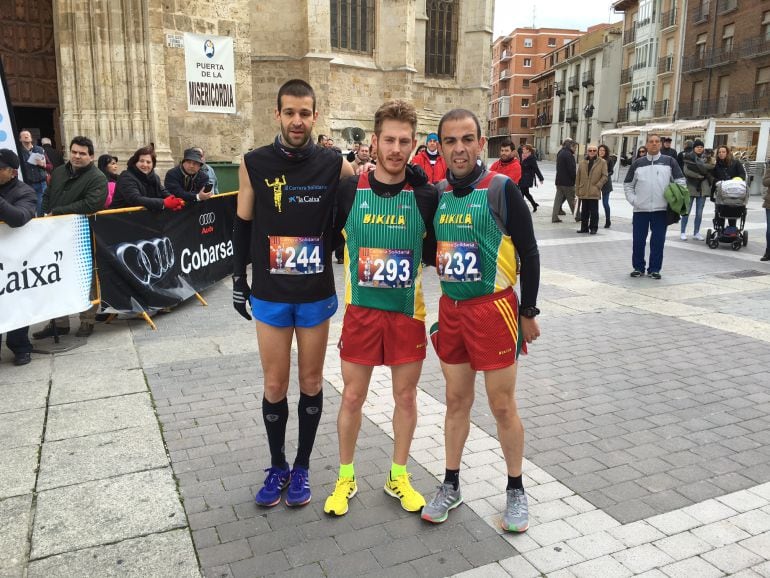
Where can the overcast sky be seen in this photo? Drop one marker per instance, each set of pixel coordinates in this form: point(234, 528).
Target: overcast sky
point(510, 14)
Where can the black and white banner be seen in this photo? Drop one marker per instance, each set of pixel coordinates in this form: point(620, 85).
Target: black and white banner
point(147, 261)
point(45, 270)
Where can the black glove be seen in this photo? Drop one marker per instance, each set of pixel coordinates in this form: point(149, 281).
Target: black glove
point(241, 292)
point(415, 176)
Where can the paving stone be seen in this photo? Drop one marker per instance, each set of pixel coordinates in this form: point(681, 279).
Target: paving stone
point(552, 532)
point(636, 533)
point(642, 558)
point(754, 521)
point(684, 545)
point(732, 558)
point(441, 564)
point(18, 396)
point(100, 415)
point(100, 384)
point(760, 545)
point(673, 522)
point(15, 517)
point(519, 566)
point(691, 567)
point(604, 566)
point(166, 554)
point(98, 456)
point(105, 511)
point(553, 557)
point(743, 501)
point(595, 545)
point(720, 533)
point(22, 428)
point(493, 570)
point(17, 476)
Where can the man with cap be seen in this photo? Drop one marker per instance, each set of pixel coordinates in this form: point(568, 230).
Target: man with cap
point(431, 161)
point(687, 148)
point(566, 172)
point(666, 148)
point(187, 180)
point(17, 206)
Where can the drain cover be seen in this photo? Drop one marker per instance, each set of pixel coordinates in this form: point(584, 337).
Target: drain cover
point(743, 274)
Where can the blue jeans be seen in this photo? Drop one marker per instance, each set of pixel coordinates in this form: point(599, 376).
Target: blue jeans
point(643, 223)
point(606, 204)
point(698, 202)
point(40, 190)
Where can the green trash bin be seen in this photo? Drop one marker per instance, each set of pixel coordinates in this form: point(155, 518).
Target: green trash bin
point(227, 176)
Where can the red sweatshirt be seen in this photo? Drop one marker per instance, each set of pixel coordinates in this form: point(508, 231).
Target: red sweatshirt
point(436, 172)
point(511, 169)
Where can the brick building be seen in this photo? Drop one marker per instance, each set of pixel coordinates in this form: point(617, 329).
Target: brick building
point(516, 59)
point(652, 48)
point(585, 88)
point(726, 65)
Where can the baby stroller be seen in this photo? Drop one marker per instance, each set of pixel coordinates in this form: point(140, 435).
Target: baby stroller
point(730, 198)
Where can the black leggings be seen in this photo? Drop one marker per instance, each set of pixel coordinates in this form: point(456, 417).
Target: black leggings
point(525, 191)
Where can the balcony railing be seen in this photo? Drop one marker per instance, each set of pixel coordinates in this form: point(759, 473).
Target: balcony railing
point(757, 101)
point(755, 47)
point(625, 75)
point(722, 56)
point(574, 82)
point(623, 114)
point(665, 64)
point(588, 78)
point(661, 108)
point(629, 35)
point(667, 19)
point(701, 13)
point(572, 115)
point(561, 116)
point(505, 56)
point(694, 63)
point(559, 89)
point(505, 74)
point(724, 6)
point(503, 93)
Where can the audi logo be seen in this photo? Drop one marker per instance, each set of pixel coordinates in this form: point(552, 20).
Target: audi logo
point(207, 219)
point(147, 260)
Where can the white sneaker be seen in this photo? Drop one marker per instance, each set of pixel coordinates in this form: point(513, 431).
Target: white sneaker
point(683, 236)
point(699, 237)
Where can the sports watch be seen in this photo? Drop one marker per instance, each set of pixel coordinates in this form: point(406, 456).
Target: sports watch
point(530, 312)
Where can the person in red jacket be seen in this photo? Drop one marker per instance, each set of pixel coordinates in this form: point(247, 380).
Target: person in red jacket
point(508, 164)
point(431, 161)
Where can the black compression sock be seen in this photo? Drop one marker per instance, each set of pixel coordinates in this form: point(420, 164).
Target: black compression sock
point(275, 416)
point(452, 477)
point(309, 411)
point(515, 483)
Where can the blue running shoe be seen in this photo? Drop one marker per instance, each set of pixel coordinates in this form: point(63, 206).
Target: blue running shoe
point(275, 482)
point(299, 487)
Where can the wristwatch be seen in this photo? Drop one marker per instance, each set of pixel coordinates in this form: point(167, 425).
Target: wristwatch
point(530, 312)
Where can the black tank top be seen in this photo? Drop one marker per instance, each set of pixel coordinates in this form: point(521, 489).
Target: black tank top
point(291, 240)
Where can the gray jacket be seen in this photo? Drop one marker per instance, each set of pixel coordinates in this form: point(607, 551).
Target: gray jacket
point(648, 178)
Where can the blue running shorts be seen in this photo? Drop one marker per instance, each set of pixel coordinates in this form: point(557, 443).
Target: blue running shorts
point(293, 314)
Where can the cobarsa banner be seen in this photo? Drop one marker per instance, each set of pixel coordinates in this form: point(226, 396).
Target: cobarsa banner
point(148, 261)
point(46, 268)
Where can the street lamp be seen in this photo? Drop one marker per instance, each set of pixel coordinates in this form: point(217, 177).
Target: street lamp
point(638, 103)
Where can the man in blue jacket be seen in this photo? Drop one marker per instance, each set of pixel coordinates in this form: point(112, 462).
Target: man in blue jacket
point(645, 186)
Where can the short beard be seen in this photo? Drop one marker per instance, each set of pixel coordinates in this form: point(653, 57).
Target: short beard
point(288, 143)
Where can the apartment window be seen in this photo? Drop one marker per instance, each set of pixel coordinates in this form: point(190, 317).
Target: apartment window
point(728, 32)
point(766, 26)
point(527, 43)
point(551, 42)
point(441, 37)
point(763, 81)
point(700, 45)
point(525, 122)
point(525, 83)
point(724, 93)
point(524, 103)
point(527, 63)
point(352, 25)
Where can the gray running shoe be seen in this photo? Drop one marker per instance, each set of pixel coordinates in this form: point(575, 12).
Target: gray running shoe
point(516, 517)
point(447, 498)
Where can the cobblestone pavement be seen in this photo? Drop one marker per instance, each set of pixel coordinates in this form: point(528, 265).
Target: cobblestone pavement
point(646, 405)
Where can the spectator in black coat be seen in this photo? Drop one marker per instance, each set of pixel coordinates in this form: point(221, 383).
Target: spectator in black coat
point(18, 202)
point(666, 148)
point(187, 180)
point(566, 171)
point(725, 169)
point(139, 185)
point(529, 170)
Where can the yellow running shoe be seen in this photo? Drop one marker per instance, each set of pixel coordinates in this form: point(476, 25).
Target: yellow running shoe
point(337, 503)
point(401, 488)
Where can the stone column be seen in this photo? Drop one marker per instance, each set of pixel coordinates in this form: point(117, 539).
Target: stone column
point(104, 63)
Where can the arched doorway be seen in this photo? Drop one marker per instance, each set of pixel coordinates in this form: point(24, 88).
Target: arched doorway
point(28, 51)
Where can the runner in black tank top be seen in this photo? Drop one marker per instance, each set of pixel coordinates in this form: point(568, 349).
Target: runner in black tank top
point(283, 228)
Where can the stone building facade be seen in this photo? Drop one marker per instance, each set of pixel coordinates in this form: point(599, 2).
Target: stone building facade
point(121, 75)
